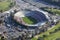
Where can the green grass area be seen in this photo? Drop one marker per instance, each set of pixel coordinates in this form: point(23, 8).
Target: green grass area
point(55, 11)
point(52, 10)
point(53, 36)
point(50, 36)
point(5, 5)
point(29, 20)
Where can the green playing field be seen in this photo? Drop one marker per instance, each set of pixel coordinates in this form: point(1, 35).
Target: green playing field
point(29, 20)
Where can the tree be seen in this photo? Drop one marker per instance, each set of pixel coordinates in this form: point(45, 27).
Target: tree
point(1, 11)
point(44, 35)
point(15, 11)
point(55, 2)
point(2, 38)
point(58, 39)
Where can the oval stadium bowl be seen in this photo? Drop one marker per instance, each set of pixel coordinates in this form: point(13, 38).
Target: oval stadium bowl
point(30, 18)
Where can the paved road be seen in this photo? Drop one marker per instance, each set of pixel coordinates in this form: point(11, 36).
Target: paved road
point(40, 3)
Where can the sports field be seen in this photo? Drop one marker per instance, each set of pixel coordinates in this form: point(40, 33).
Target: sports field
point(29, 20)
point(53, 36)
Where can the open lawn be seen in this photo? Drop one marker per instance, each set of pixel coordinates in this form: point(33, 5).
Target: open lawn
point(5, 5)
point(55, 11)
point(52, 10)
point(52, 36)
point(29, 20)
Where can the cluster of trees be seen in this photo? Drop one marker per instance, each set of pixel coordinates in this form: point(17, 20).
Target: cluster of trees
point(9, 5)
point(55, 2)
point(2, 37)
point(58, 39)
point(56, 30)
point(12, 4)
point(44, 35)
point(51, 10)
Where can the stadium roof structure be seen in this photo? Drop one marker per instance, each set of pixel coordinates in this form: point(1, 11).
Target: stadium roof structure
point(39, 16)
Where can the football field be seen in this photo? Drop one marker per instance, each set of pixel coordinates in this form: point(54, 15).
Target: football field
point(29, 20)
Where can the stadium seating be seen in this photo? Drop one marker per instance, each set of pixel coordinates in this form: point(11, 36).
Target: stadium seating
point(38, 16)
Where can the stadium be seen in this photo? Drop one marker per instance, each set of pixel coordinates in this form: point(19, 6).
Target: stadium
point(30, 18)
